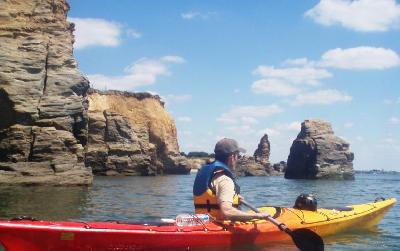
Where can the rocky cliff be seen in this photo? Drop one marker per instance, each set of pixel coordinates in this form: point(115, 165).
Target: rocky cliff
point(43, 125)
point(131, 134)
point(317, 153)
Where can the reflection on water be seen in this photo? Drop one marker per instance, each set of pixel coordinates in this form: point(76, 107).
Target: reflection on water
point(42, 202)
point(147, 198)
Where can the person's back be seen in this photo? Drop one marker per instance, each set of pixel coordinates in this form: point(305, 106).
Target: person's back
point(214, 184)
point(215, 190)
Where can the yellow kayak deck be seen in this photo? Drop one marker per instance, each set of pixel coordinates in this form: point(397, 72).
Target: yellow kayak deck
point(329, 221)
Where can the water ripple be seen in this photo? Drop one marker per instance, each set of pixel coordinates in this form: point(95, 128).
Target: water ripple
point(147, 198)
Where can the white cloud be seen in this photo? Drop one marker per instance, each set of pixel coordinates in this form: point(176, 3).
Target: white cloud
point(358, 15)
point(248, 120)
point(388, 101)
point(189, 15)
point(394, 121)
point(348, 125)
point(293, 126)
point(322, 97)
point(172, 98)
point(360, 138)
point(248, 113)
point(95, 32)
point(391, 101)
point(133, 33)
point(185, 119)
point(270, 132)
point(296, 75)
point(141, 73)
point(298, 61)
point(173, 59)
point(153, 93)
point(360, 58)
point(241, 129)
point(280, 128)
point(186, 133)
point(274, 87)
point(389, 140)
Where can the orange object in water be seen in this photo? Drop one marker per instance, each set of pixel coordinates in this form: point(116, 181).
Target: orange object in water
point(31, 235)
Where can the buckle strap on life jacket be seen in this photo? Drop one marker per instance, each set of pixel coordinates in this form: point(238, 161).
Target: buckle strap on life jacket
point(210, 206)
point(207, 206)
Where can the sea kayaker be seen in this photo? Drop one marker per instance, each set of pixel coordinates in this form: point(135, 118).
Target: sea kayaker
point(215, 191)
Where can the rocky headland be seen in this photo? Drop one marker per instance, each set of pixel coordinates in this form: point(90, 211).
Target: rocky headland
point(317, 153)
point(131, 134)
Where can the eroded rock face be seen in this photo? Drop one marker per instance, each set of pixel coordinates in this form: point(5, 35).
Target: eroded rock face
point(43, 125)
point(280, 167)
point(317, 153)
point(132, 134)
point(263, 150)
point(258, 164)
point(248, 166)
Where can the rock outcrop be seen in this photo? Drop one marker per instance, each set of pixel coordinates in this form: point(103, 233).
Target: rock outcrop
point(132, 134)
point(43, 125)
point(248, 166)
point(317, 153)
point(280, 167)
point(258, 164)
point(263, 151)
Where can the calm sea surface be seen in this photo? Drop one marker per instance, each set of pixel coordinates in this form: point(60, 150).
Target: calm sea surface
point(147, 198)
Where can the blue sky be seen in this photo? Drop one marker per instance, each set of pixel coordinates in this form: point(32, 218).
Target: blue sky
point(240, 69)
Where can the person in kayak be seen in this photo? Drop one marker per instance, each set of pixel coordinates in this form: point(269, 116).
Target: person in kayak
point(215, 191)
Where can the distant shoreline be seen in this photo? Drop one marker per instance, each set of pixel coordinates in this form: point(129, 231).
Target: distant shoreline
point(376, 171)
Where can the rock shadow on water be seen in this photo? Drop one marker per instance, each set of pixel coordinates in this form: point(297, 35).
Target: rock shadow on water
point(43, 202)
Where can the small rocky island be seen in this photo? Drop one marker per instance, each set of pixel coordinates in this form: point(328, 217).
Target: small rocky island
point(317, 153)
point(259, 164)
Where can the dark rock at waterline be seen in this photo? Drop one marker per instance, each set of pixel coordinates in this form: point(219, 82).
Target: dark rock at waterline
point(41, 155)
point(317, 153)
point(248, 166)
point(258, 164)
point(280, 167)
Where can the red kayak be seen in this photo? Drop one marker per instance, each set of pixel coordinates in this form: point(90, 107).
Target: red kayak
point(32, 235)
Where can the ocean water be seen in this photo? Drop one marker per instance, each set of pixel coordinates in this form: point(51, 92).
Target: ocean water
point(139, 199)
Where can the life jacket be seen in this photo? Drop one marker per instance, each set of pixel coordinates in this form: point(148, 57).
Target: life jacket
point(204, 197)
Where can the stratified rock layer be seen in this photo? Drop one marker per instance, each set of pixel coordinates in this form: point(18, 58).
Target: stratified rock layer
point(132, 134)
point(317, 153)
point(43, 125)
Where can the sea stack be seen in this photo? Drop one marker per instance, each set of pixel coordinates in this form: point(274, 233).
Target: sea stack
point(258, 164)
point(263, 151)
point(317, 153)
